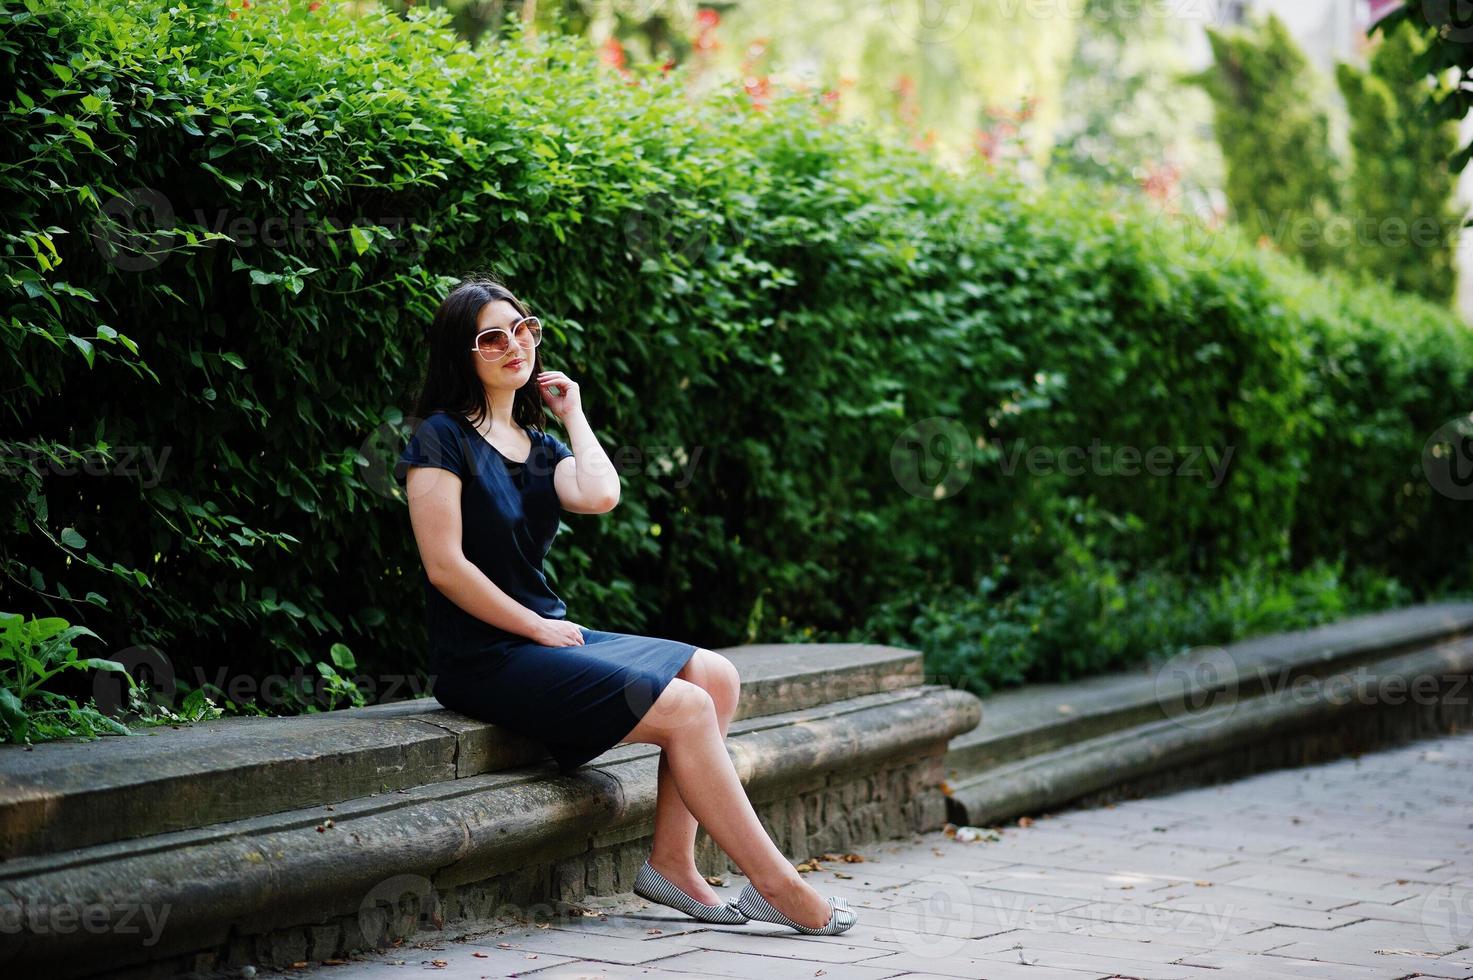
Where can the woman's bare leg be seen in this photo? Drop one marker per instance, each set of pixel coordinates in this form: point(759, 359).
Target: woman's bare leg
point(673, 850)
point(683, 722)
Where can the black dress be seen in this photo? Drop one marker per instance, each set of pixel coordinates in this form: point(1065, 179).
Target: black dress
point(579, 701)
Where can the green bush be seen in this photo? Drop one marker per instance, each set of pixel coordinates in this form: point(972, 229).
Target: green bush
point(32, 653)
point(228, 226)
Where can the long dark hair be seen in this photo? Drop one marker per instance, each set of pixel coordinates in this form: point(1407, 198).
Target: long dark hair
point(450, 381)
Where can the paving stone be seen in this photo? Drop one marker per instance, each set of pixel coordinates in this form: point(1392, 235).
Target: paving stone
point(1154, 922)
point(460, 963)
point(610, 949)
point(592, 970)
point(752, 966)
point(1397, 960)
point(1236, 963)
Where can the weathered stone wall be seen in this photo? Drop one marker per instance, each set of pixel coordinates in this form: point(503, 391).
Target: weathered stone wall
point(838, 813)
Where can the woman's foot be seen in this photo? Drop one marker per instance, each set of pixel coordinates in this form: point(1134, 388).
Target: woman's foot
point(685, 877)
point(797, 899)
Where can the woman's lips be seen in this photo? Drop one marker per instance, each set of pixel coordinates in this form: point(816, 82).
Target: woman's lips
point(515, 364)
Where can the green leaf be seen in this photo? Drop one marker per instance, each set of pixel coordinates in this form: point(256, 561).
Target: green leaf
point(72, 539)
point(342, 657)
point(84, 345)
point(13, 714)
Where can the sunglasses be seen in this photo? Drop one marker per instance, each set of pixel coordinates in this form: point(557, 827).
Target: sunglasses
point(495, 343)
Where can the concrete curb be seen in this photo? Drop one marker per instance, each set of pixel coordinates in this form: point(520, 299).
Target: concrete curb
point(1045, 746)
point(70, 794)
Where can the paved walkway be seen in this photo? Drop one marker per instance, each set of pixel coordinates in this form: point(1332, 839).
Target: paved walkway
point(1361, 868)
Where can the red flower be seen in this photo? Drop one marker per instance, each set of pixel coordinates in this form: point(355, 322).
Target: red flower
point(611, 52)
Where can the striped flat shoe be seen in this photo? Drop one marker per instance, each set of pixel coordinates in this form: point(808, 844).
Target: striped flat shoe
point(650, 884)
point(751, 904)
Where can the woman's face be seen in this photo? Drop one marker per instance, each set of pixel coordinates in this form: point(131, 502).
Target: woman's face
point(512, 370)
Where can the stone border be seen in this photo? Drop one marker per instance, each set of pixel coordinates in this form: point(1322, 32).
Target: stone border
point(1287, 697)
point(73, 793)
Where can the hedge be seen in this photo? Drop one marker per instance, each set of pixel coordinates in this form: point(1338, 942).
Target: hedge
point(228, 224)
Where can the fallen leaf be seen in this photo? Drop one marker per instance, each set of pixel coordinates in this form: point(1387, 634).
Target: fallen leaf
point(1025, 821)
point(840, 874)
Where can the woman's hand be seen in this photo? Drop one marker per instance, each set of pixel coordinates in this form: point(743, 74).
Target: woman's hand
point(557, 633)
point(567, 401)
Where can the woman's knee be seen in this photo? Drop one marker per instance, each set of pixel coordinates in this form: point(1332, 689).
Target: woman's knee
point(718, 676)
point(681, 705)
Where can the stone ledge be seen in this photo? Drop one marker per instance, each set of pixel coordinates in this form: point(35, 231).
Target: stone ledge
point(1121, 731)
point(271, 874)
point(1038, 718)
point(72, 794)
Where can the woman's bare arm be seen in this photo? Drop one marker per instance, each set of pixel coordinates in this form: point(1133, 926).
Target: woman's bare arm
point(434, 512)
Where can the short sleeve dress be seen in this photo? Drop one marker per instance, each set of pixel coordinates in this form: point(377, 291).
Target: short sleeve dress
point(578, 701)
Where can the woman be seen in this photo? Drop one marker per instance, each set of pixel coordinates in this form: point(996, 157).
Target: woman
point(485, 484)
